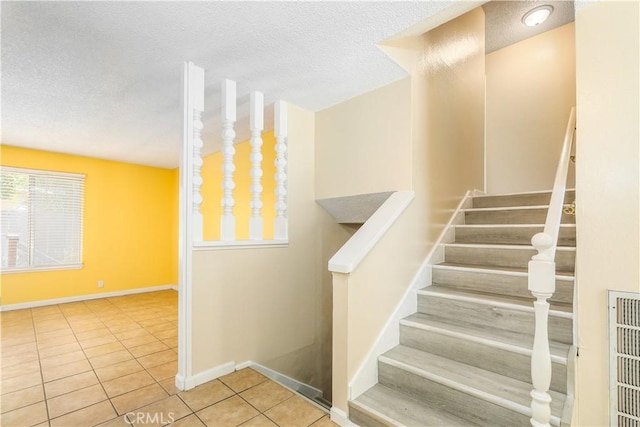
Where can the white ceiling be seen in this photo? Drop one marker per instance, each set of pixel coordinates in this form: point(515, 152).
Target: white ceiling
point(103, 79)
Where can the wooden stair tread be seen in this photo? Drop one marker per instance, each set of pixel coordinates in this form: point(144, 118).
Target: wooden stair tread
point(488, 299)
point(517, 339)
point(496, 388)
point(498, 269)
point(404, 409)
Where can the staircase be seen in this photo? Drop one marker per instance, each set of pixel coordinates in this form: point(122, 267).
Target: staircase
point(464, 358)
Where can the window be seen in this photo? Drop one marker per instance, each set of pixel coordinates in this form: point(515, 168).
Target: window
point(41, 222)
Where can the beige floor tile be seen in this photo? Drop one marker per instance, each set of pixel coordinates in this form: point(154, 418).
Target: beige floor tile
point(163, 411)
point(21, 369)
point(136, 399)
point(97, 341)
point(243, 379)
point(89, 416)
point(166, 334)
point(294, 412)
point(56, 341)
point(103, 349)
point(17, 359)
point(21, 398)
point(123, 327)
point(18, 349)
point(150, 322)
point(139, 340)
point(68, 384)
point(27, 416)
point(205, 395)
point(79, 327)
point(20, 383)
point(18, 340)
point(230, 412)
point(266, 395)
point(132, 333)
point(119, 421)
point(324, 422)
point(171, 342)
point(169, 385)
point(164, 371)
point(189, 421)
point(65, 403)
point(55, 334)
point(159, 327)
point(24, 313)
point(146, 349)
point(128, 383)
point(51, 325)
point(259, 421)
point(159, 358)
point(93, 333)
point(62, 359)
point(110, 359)
point(118, 370)
point(52, 373)
point(59, 349)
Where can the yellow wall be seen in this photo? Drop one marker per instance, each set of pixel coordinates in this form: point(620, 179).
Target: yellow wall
point(212, 189)
point(130, 228)
point(531, 87)
point(608, 187)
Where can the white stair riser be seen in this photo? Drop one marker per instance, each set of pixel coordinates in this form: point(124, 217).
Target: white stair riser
point(560, 328)
point(512, 216)
point(501, 284)
point(504, 257)
point(498, 360)
point(510, 235)
point(466, 406)
point(533, 199)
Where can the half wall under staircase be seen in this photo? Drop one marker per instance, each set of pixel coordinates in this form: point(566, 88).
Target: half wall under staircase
point(465, 357)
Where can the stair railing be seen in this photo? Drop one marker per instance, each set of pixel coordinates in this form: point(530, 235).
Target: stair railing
point(542, 284)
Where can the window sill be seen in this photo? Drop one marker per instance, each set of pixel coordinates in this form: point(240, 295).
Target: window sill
point(41, 269)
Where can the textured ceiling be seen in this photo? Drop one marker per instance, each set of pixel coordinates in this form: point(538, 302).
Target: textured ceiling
point(103, 79)
point(504, 21)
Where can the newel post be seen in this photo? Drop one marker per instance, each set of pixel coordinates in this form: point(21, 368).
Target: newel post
point(256, 125)
point(228, 220)
point(281, 231)
point(542, 283)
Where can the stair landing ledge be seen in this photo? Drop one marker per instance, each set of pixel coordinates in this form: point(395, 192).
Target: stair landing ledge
point(359, 245)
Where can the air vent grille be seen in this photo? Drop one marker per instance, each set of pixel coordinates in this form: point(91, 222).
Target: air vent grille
point(624, 324)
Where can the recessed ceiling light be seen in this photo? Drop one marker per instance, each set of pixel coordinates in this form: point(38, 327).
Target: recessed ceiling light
point(537, 15)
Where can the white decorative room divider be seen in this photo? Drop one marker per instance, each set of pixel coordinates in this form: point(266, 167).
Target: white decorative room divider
point(192, 161)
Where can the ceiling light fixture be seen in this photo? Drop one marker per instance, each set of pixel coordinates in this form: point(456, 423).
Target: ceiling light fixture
point(537, 15)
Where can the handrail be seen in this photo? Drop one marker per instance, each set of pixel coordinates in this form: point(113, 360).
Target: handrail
point(542, 284)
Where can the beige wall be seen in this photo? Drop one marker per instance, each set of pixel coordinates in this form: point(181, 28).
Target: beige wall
point(273, 306)
point(363, 144)
point(530, 91)
point(447, 89)
point(607, 182)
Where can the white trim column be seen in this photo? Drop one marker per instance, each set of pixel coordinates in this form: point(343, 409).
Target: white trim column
point(281, 228)
point(256, 125)
point(228, 220)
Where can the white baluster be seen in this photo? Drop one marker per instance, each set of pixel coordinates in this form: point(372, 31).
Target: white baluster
point(281, 231)
point(194, 105)
point(256, 125)
point(542, 271)
point(228, 220)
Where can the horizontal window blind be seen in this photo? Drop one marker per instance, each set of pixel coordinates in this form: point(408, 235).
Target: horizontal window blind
point(42, 214)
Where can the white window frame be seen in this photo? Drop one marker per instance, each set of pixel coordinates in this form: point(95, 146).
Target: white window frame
point(50, 267)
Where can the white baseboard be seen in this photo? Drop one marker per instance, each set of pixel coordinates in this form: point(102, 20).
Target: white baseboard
point(339, 417)
point(187, 383)
point(87, 297)
point(367, 374)
point(293, 384)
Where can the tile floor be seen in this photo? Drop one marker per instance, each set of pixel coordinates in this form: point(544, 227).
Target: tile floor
point(96, 362)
